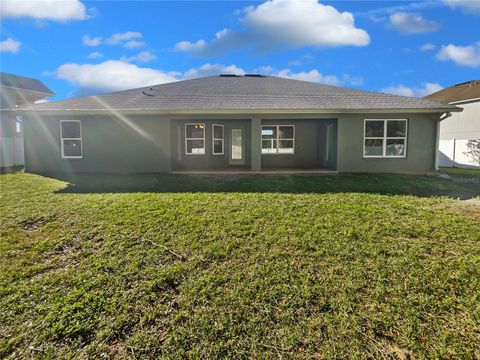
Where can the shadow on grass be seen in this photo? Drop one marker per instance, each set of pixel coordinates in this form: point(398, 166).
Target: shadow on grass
point(392, 184)
point(11, 169)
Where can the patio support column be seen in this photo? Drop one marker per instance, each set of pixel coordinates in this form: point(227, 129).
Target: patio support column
point(256, 144)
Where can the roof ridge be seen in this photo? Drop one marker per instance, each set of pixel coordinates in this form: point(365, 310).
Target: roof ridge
point(218, 92)
point(36, 85)
point(19, 76)
point(475, 82)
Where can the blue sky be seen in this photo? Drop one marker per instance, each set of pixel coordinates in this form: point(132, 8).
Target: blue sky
point(85, 47)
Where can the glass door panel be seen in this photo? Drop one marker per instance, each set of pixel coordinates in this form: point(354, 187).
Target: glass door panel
point(237, 144)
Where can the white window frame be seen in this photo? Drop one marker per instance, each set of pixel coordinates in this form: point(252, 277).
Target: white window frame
point(203, 139)
point(217, 139)
point(384, 139)
point(277, 139)
point(63, 138)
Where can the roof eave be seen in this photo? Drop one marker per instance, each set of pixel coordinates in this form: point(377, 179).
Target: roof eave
point(459, 102)
point(246, 111)
point(43, 93)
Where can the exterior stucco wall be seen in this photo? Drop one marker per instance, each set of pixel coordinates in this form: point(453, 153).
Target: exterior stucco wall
point(11, 142)
point(421, 144)
point(111, 144)
point(146, 143)
point(464, 125)
point(7, 124)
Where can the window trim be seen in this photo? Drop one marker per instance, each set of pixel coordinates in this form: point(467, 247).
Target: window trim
point(216, 139)
point(277, 139)
point(385, 138)
point(186, 139)
point(63, 138)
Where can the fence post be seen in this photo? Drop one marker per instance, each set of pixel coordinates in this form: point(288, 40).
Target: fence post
point(454, 150)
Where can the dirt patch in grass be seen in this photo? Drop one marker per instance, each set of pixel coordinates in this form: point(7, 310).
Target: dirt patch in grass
point(32, 224)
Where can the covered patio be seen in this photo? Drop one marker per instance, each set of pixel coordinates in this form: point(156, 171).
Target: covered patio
point(255, 145)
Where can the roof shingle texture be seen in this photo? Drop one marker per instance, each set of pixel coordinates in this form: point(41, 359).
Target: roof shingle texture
point(241, 93)
point(460, 92)
point(24, 83)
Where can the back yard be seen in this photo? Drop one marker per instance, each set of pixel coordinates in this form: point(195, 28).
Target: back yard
point(347, 266)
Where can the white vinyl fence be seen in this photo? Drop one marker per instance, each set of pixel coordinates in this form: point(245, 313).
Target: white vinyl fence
point(459, 153)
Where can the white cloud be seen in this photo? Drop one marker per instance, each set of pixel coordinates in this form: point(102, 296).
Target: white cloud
point(284, 23)
point(112, 75)
point(265, 70)
point(187, 46)
point(312, 75)
point(427, 47)
point(10, 45)
point(378, 14)
point(461, 55)
point(301, 23)
point(411, 23)
point(142, 57)
point(430, 88)
point(115, 75)
point(91, 41)
point(224, 40)
point(95, 55)
point(133, 44)
point(424, 90)
point(212, 69)
point(119, 38)
point(57, 10)
point(350, 80)
point(126, 39)
point(469, 6)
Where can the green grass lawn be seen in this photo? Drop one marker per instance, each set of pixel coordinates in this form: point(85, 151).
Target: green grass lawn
point(347, 266)
point(459, 171)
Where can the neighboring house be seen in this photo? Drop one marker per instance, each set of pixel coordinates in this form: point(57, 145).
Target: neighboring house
point(460, 133)
point(230, 122)
point(16, 91)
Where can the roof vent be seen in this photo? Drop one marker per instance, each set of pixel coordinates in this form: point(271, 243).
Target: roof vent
point(147, 94)
point(254, 75)
point(149, 91)
point(230, 75)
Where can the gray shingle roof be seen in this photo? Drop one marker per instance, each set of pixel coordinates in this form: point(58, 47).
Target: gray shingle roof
point(23, 83)
point(242, 93)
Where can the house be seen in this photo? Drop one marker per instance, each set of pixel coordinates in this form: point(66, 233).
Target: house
point(234, 123)
point(460, 133)
point(16, 91)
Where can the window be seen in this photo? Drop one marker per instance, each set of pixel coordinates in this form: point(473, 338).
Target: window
point(217, 144)
point(18, 124)
point(278, 139)
point(195, 139)
point(385, 138)
point(71, 139)
point(237, 144)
